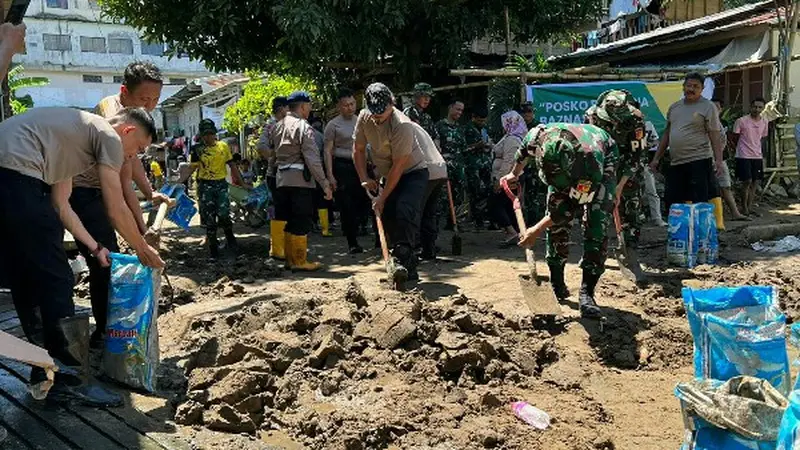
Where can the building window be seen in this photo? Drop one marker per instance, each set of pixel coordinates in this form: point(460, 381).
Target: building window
point(57, 42)
point(93, 5)
point(152, 49)
point(61, 4)
point(122, 46)
point(92, 78)
point(180, 81)
point(93, 44)
point(119, 79)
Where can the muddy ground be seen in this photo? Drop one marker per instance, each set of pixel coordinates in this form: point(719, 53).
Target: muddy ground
point(256, 357)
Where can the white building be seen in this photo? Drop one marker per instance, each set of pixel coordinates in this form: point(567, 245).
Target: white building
point(84, 55)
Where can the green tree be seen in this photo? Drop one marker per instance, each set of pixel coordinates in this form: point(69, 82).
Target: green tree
point(315, 38)
point(16, 81)
point(256, 102)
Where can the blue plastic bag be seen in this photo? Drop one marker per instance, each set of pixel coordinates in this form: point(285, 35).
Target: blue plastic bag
point(184, 209)
point(131, 346)
point(712, 438)
point(706, 234)
point(789, 434)
point(738, 331)
point(681, 243)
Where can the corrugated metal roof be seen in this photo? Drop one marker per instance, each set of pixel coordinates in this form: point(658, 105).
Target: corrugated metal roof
point(741, 16)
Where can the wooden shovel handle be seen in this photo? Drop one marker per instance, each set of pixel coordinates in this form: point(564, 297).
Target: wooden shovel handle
point(450, 199)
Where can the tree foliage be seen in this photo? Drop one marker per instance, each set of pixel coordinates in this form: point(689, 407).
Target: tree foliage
point(308, 37)
point(256, 102)
point(16, 81)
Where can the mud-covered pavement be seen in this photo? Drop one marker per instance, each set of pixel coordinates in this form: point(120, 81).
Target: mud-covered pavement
point(256, 357)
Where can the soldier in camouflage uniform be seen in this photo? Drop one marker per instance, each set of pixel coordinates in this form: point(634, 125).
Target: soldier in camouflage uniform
point(422, 98)
point(453, 145)
point(477, 163)
point(579, 165)
point(615, 114)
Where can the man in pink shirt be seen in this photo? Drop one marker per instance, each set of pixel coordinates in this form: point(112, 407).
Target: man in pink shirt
point(749, 159)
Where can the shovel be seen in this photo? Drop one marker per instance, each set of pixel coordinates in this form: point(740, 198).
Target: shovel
point(388, 261)
point(622, 257)
point(540, 298)
point(456, 243)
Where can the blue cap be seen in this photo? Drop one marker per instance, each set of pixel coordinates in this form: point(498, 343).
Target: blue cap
point(299, 97)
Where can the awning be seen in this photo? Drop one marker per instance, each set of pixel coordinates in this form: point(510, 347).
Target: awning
point(741, 51)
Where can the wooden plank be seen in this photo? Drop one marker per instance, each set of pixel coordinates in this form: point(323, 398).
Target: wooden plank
point(35, 433)
point(12, 442)
point(17, 332)
point(79, 433)
point(160, 432)
point(6, 306)
point(8, 314)
point(9, 324)
point(116, 428)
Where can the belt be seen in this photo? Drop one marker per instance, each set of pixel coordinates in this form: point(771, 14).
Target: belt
point(292, 167)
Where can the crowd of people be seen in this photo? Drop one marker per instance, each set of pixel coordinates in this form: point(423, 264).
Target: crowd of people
point(61, 168)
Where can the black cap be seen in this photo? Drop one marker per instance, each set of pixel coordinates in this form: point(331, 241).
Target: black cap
point(377, 98)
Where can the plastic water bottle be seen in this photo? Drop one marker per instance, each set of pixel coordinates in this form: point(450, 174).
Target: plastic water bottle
point(531, 415)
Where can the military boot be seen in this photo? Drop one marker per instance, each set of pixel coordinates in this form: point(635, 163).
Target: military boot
point(588, 306)
point(557, 281)
point(631, 267)
point(213, 245)
point(230, 240)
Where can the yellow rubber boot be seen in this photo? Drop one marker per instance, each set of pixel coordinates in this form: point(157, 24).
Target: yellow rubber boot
point(299, 251)
point(324, 222)
point(717, 202)
point(277, 239)
point(289, 249)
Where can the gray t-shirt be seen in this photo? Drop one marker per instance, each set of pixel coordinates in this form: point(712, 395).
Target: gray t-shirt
point(340, 131)
point(394, 138)
point(55, 144)
point(690, 125)
point(108, 107)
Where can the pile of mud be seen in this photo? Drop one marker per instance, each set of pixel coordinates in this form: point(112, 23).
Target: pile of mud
point(334, 369)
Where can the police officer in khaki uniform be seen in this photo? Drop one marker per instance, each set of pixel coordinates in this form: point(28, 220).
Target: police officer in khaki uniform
point(299, 164)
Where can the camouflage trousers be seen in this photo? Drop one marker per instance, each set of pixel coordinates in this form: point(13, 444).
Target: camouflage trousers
point(595, 220)
point(630, 210)
point(477, 183)
point(214, 204)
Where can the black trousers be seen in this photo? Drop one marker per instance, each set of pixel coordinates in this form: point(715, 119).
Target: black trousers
point(32, 252)
point(429, 227)
point(351, 198)
point(295, 205)
point(88, 205)
point(502, 210)
point(402, 215)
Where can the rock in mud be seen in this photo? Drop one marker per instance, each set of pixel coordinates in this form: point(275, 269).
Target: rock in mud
point(251, 404)
point(286, 394)
point(237, 352)
point(286, 347)
point(225, 418)
point(189, 413)
point(337, 314)
point(205, 356)
point(237, 386)
point(467, 322)
point(355, 294)
point(330, 345)
point(388, 327)
point(451, 340)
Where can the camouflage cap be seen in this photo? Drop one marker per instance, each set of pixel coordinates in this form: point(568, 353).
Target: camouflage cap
point(613, 106)
point(423, 89)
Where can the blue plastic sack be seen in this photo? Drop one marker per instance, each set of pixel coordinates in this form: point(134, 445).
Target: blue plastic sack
point(706, 234)
point(789, 433)
point(692, 235)
point(712, 438)
point(131, 346)
point(794, 339)
point(738, 331)
point(184, 209)
point(681, 245)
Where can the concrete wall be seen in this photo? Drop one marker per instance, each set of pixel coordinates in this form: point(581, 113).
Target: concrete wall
point(66, 69)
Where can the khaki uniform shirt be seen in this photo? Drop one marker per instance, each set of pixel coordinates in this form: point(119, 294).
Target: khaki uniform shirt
point(296, 150)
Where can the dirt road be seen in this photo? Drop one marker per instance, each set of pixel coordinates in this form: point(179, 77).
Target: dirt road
point(255, 357)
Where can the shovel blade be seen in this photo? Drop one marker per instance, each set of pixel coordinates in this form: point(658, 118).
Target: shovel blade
point(539, 297)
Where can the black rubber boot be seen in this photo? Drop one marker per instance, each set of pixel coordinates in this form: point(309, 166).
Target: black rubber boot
point(557, 281)
point(588, 306)
point(213, 245)
point(70, 349)
point(230, 240)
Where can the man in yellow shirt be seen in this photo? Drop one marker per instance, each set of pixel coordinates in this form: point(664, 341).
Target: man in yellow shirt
point(211, 161)
point(158, 175)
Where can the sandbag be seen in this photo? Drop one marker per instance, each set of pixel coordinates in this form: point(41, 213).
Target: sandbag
point(184, 209)
point(131, 353)
point(692, 235)
point(738, 331)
